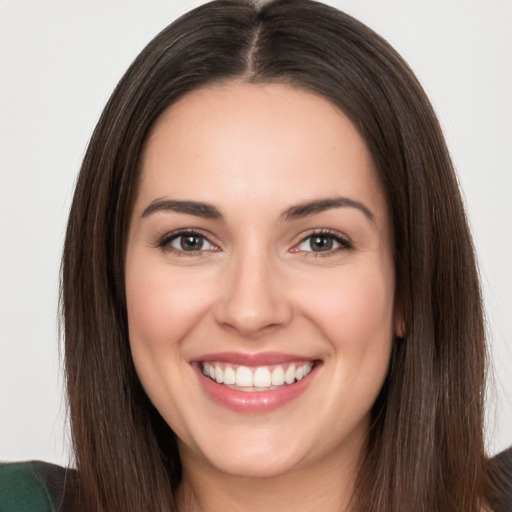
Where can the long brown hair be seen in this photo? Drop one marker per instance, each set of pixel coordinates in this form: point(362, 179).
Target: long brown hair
point(425, 448)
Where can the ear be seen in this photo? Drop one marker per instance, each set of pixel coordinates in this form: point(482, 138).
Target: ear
point(399, 321)
point(400, 329)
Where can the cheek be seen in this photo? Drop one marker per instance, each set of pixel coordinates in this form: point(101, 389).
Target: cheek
point(354, 307)
point(163, 303)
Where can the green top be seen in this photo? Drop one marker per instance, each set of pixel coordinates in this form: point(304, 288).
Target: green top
point(31, 487)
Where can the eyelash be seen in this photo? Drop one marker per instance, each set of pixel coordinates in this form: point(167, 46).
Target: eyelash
point(164, 243)
point(344, 243)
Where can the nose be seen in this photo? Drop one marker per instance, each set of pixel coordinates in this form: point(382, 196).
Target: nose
point(253, 299)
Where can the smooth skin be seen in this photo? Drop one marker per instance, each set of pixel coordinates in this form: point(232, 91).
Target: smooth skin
point(255, 279)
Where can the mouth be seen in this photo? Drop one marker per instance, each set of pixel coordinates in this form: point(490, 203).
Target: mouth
point(256, 379)
point(255, 383)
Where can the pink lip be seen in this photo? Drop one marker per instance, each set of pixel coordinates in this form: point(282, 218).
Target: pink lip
point(256, 401)
point(246, 359)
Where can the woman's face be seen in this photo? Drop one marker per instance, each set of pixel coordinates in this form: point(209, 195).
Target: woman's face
point(259, 253)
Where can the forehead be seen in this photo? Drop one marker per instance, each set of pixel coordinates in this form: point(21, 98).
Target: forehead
point(256, 142)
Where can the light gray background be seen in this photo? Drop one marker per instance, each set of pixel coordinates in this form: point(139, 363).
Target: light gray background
point(59, 62)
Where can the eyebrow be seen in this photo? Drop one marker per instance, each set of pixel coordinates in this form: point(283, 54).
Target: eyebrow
point(208, 211)
point(199, 209)
point(317, 206)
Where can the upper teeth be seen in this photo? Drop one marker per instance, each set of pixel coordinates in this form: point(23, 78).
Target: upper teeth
point(256, 377)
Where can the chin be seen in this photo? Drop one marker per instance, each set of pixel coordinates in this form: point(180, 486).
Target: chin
point(249, 454)
point(242, 465)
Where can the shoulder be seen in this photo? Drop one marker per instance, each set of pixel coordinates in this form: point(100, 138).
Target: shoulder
point(501, 474)
point(34, 486)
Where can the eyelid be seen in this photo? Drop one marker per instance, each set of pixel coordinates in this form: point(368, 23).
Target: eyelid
point(343, 240)
point(164, 242)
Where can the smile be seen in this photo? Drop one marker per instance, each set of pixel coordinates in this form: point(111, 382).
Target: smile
point(255, 383)
point(258, 379)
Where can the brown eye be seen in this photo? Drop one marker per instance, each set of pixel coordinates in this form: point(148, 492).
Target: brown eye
point(321, 243)
point(188, 242)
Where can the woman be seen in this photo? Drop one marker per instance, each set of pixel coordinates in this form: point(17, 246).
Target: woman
point(269, 290)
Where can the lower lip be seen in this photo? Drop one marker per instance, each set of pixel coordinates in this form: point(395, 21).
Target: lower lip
point(254, 401)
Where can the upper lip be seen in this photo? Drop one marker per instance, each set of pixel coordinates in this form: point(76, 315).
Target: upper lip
point(249, 359)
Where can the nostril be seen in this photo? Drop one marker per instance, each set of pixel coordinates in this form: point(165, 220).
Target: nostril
point(251, 318)
point(252, 300)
